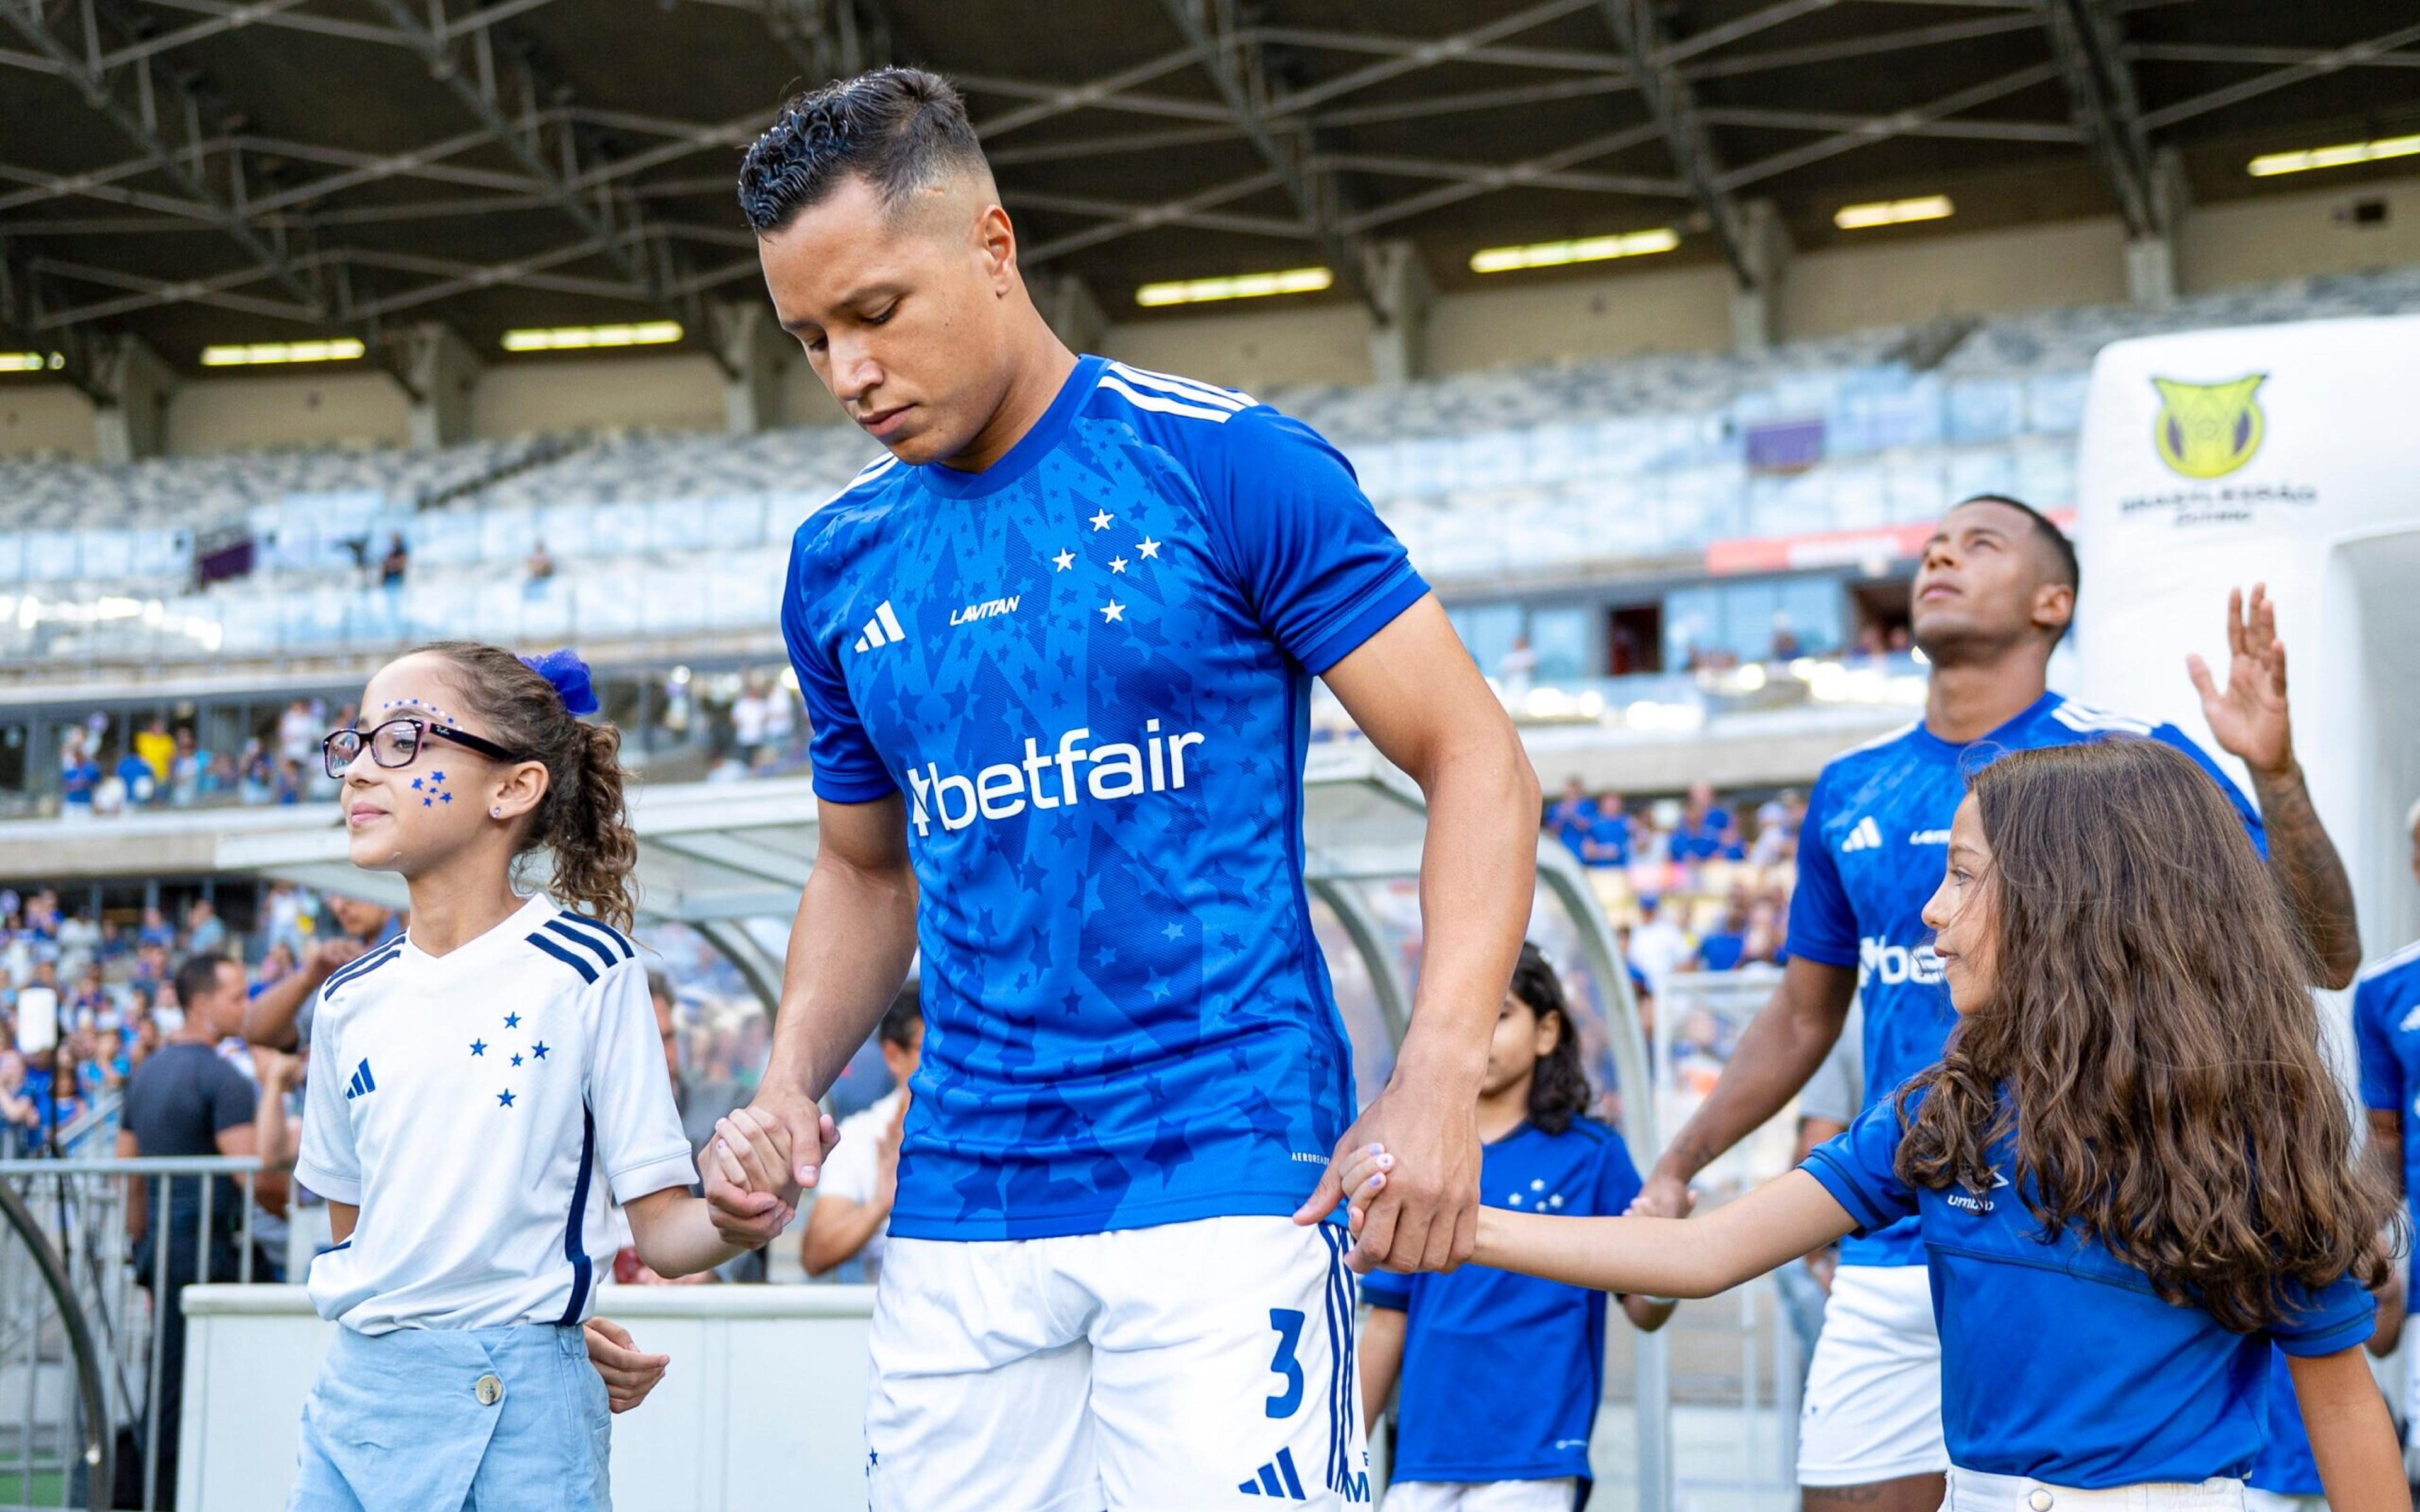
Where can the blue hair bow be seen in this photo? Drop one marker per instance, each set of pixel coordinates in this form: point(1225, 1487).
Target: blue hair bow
point(569, 676)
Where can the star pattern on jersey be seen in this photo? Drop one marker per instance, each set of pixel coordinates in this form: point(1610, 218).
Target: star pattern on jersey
point(1117, 563)
point(1065, 559)
point(1147, 547)
point(1101, 520)
point(478, 1047)
point(1112, 611)
point(514, 1059)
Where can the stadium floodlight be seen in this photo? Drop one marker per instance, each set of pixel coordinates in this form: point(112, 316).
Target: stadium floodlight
point(1235, 286)
point(1578, 250)
point(1893, 212)
point(342, 350)
point(588, 338)
point(31, 361)
point(2269, 165)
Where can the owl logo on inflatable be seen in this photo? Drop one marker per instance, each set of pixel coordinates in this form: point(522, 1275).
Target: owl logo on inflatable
point(2208, 430)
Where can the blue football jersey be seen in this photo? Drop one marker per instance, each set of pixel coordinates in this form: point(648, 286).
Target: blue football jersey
point(1870, 855)
point(2059, 1360)
point(1502, 1373)
point(2386, 1037)
point(1087, 669)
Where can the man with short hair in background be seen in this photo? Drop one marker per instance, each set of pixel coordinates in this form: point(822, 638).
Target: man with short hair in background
point(185, 1100)
point(852, 1208)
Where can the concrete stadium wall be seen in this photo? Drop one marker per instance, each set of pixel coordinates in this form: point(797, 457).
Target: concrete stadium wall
point(1628, 310)
point(2294, 235)
point(1900, 281)
point(678, 392)
point(331, 406)
point(45, 420)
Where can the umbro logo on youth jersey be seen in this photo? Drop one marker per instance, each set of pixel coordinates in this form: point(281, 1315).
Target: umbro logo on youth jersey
point(1276, 1478)
point(363, 1084)
point(883, 629)
point(1864, 835)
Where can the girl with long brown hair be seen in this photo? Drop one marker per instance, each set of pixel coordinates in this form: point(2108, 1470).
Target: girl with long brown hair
point(2132, 1169)
point(478, 1086)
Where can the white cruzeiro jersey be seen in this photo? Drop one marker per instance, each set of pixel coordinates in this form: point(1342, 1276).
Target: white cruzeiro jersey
point(477, 1107)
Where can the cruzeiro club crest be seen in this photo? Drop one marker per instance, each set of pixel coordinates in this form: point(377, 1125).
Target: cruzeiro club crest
point(2208, 430)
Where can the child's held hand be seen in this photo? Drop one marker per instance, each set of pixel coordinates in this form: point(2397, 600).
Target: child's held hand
point(1363, 1178)
point(749, 1183)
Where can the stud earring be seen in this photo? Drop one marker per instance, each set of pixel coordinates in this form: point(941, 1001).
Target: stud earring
point(495, 814)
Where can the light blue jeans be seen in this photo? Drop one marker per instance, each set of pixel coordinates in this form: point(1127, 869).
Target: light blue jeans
point(455, 1420)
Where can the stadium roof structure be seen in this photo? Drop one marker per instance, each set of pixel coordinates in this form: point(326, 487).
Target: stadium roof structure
point(216, 171)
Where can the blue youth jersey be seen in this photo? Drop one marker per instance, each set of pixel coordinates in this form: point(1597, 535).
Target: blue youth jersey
point(2386, 1036)
point(1087, 669)
point(2286, 1465)
point(1501, 1372)
point(2058, 1360)
point(1870, 854)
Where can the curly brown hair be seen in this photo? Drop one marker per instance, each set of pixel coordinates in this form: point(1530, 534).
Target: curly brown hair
point(583, 819)
point(2149, 1042)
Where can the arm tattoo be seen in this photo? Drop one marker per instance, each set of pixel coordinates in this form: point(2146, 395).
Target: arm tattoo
point(2306, 866)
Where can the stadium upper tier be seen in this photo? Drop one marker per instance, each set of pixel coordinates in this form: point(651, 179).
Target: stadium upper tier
point(1486, 475)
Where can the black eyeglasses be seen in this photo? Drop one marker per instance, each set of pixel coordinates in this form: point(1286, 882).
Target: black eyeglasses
point(397, 742)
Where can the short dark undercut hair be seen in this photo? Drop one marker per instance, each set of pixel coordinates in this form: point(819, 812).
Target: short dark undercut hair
point(2062, 551)
point(900, 130)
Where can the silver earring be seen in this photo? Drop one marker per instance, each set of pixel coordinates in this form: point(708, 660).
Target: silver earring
point(495, 814)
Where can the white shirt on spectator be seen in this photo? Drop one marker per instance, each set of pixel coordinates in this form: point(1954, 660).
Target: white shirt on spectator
point(748, 720)
point(851, 1173)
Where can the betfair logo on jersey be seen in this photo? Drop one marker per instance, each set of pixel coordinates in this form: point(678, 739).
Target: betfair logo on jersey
point(1894, 965)
point(1061, 777)
point(2208, 430)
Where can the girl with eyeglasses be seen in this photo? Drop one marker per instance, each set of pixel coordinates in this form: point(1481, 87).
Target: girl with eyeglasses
point(478, 1086)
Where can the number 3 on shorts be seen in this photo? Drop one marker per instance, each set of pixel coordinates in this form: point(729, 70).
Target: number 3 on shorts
point(1288, 1322)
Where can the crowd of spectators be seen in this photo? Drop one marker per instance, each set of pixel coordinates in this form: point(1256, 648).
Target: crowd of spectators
point(158, 767)
point(1695, 887)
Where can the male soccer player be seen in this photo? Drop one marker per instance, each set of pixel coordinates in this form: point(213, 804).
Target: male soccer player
point(1057, 646)
point(1994, 594)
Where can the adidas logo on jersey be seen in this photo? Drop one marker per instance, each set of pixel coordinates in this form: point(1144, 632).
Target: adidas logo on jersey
point(363, 1084)
point(1864, 835)
point(1004, 789)
point(2411, 1021)
point(1276, 1478)
point(882, 630)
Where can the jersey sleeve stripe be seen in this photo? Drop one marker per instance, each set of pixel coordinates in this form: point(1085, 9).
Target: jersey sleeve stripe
point(561, 953)
point(619, 940)
point(1183, 388)
point(613, 937)
point(361, 968)
point(590, 943)
point(575, 1248)
point(1167, 407)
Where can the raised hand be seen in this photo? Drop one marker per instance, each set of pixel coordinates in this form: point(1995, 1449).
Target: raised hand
point(2248, 717)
